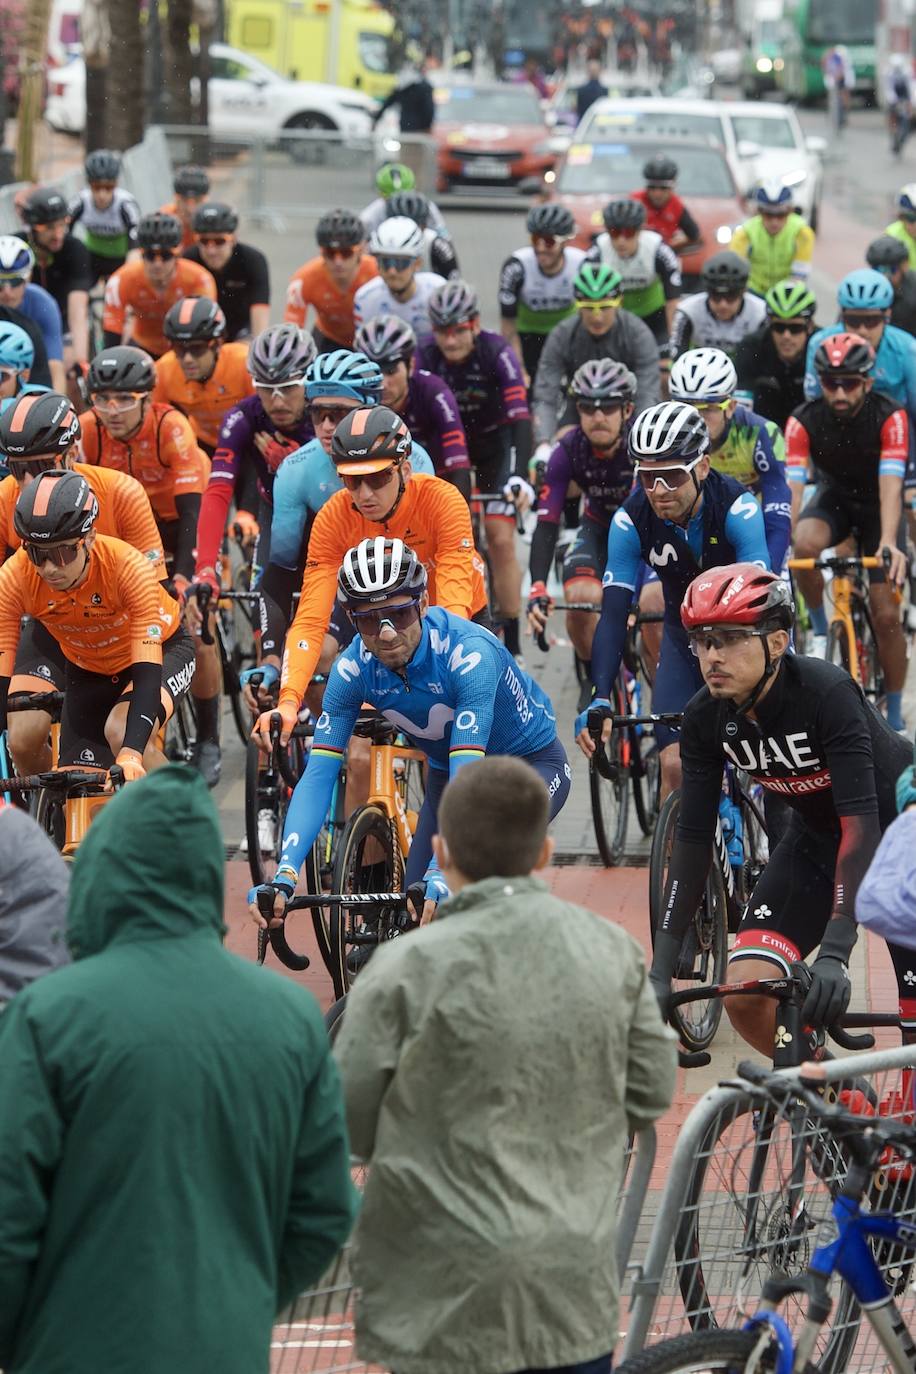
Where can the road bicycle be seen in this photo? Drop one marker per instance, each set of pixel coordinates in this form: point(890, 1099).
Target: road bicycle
point(851, 640)
point(220, 626)
point(854, 1244)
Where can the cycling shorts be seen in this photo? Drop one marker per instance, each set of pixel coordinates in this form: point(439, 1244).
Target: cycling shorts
point(550, 762)
point(677, 679)
point(491, 458)
point(791, 904)
point(90, 697)
point(40, 655)
point(846, 516)
point(587, 554)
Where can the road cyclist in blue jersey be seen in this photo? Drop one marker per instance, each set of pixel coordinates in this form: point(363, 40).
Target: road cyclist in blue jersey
point(449, 684)
point(681, 518)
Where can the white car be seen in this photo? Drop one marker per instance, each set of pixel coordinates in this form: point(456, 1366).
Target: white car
point(245, 95)
point(761, 141)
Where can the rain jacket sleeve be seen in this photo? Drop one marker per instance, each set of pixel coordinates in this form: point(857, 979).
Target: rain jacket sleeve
point(651, 1067)
point(367, 1051)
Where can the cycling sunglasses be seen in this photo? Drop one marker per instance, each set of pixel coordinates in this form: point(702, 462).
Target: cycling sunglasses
point(389, 263)
point(32, 467)
point(711, 405)
point(623, 232)
point(13, 281)
point(102, 185)
point(192, 349)
point(599, 305)
point(117, 400)
point(7, 374)
point(720, 639)
point(342, 251)
point(398, 617)
point(320, 414)
point(864, 319)
point(278, 388)
point(61, 555)
point(725, 295)
point(594, 407)
point(659, 185)
point(845, 384)
point(785, 327)
point(671, 477)
point(390, 368)
point(375, 481)
point(549, 240)
point(213, 240)
point(462, 328)
point(159, 254)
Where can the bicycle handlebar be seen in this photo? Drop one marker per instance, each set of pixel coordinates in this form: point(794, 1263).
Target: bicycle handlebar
point(60, 779)
point(837, 563)
point(779, 989)
point(367, 901)
point(35, 701)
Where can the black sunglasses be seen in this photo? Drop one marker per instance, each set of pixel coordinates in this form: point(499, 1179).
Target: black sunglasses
point(784, 327)
point(593, 407)
point(61, 555)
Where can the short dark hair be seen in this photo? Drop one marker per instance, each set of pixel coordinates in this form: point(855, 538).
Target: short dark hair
point(493, 817)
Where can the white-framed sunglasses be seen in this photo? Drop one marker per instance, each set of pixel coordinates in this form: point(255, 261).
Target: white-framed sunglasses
point(672, 476)
point(278, 389)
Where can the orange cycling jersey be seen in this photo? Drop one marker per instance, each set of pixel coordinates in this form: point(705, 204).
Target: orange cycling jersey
point(124, 513)
point(432, 517)
point(163, 456)
point(129, 289)
point(311, 286)
point(119, 615)
point(188, 237)
point(206, 403)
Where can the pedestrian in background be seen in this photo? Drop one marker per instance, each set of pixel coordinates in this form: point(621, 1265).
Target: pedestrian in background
point(413, 96)
point(34, 881)
point(493, 1064)
point(591, 90)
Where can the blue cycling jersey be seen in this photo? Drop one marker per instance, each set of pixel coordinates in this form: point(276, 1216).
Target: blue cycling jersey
point(42, 309)
point(461, 696)
point(728, 528)
point(304, 481)
point(894, 371)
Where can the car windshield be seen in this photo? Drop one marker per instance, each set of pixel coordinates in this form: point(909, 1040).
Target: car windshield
point(769, 133)
point(603, 124)
point(610, 169)
point(373, 52)
point(470, 105)
point(842, 21)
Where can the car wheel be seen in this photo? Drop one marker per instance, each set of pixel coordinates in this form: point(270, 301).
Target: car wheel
point(304, 150)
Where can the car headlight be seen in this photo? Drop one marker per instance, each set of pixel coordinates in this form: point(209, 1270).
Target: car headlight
point(778, 64)
point(724, 233)
point(550, 177)
point(764, 65)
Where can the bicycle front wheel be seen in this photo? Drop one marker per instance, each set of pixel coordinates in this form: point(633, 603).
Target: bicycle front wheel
point(696, 1352)
point(609, 786)
point(368, 860)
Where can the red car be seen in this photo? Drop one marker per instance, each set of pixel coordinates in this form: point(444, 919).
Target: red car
point(492, 135)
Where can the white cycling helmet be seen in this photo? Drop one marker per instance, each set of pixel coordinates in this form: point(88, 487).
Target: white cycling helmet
point(16, 257)
point(672, 432)
point(703, 374)
point(378, 568)
point(397, 237)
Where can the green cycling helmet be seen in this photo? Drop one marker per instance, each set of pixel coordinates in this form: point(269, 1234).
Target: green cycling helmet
point(596, 281)
point(394, 176)
point(788, 300)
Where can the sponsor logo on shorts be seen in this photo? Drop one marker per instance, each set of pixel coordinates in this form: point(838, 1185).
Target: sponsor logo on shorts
point(180, 682)
point(42, 670)
point(86, 756)
point(554, 785)
point(95, 599)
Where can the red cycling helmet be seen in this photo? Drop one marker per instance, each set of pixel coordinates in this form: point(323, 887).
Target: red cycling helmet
point(846, 354)
point(740, 594)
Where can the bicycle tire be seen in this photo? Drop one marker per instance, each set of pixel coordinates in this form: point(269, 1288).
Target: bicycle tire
point(646, 775)
point(871, 677)
point(333, 1018)
point(315, 873)
point(51, 815)
point(610, 796)
point(231, 662)
point(695, 1352)
point(181, 731)
point(352, 874)
point(256, 781)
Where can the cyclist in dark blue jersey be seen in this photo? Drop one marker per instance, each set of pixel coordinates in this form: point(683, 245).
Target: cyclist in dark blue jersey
point(450, 685)
point(683, 518)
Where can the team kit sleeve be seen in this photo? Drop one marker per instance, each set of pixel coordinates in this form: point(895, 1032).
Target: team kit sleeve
point(775, 496)
point(235, 434)
point(47, 316)
point(452, 436)
point(136, 523)
point(746, 531)
point(842, 730)
point(454, 555)
point(114, 313)
point(473, 690)
point(182, 454)
point(290, 512)
point(804, 252)
point(798, 451)
point(511, 280)
point(681, 333)
point(894, 452)
point(619, 583)
point(12, 609)
point(330, 539)
point(668, 267)
point(296, 303)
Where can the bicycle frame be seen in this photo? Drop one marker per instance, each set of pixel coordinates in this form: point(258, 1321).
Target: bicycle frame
point(845, 592)
point(384, 789)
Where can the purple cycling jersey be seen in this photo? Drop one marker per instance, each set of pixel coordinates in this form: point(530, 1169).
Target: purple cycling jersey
point(605, 482)
point(432, 416)
point(488, 386)
point(237, 442)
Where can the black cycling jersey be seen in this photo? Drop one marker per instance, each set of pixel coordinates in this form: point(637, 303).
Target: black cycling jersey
point(848, 453)
point(777, 388)
point(242, 283)
point(903, 311)
point(67, 270)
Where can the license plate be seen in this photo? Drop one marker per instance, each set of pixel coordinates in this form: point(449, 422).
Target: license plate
point(487, 167)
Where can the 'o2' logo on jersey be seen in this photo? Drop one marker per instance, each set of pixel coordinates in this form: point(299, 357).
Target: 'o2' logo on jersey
point(323, 722)
point(745, 505)
point(466, 720)
point(661, 559)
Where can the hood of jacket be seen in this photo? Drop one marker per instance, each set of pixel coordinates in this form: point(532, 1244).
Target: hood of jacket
point(151, 865)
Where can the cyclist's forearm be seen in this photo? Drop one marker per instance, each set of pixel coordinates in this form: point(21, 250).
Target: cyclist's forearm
point(687, 875)
point(610, 635)
point(543, 544)
point(522, 446)
point(188, 508)
point(4, 693)
point(307, 809)
point(460, 478)
point(78, 324)
point(273, 626)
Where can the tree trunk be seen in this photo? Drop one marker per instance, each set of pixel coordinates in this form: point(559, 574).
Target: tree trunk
point(32, 58)
point(179, 63)
point(125, 103)
point(96, 37)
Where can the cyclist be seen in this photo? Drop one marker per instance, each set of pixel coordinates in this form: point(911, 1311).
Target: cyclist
point(427, 406)
point(682, 518)
point(592, 459)
point(391, 178)
point(771, 362)
point(192, 187)
point(240, 271)
point(720, 315)
point(328, 283)
point(401, 288)
point(128, 660)
point(39, 432)
point(803, 730)
point(536, 282)
point(19, 293)
point(107, 215)
point(904, 226)
point(776, 241)
point(741, 444)
point(889, 256)
point(438, 253)
point(139, 295)
point(62, 265)
point(599, 329)
point(857, 441)
point(650, 272)
point(201, 375)
point(370, 451)
point(450, 685)
point(898, 99)
point(485, 376)
point(17, 359)
point(666, 213)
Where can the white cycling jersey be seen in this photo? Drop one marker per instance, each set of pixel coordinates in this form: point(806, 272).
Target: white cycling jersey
point(695, 326)
point(375, 299)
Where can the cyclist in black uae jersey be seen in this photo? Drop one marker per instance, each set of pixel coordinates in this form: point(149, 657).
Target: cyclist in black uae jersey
point(802, 729)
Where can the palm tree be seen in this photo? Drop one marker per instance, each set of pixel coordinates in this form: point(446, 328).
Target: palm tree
point(125, 104)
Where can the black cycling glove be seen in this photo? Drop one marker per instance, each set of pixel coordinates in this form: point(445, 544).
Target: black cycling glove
point(830, 990)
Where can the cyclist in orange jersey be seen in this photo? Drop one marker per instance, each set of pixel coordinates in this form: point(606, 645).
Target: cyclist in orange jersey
point(139, 295)
point(328, 283)
point(38, 433)
point(201, 375)
point(128, 658)
point(381, 496)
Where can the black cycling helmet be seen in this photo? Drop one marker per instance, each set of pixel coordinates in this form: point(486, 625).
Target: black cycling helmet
point(887, 253)
point(725, 271)
point(215, 218)
point(159, 231)
point(121, 368)
point(369, 439)
point(453, 303)
point(102, 165)
point(38, 424)
point(386, 339)
point(339, 229)
point(624, 214)
point(281, 353)
point(602, 379)
point(45, 206)
point(57, 506)
point(194, 318)
point(553, 219)
point(660, 171)
point(378, 568)
point(411, 204)
point(191, 181)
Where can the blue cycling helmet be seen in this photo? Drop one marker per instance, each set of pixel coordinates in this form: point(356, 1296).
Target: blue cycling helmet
point(344, 373)
point(865, 289)
point(906, 200)
point(16, 348)
point(774, 196)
